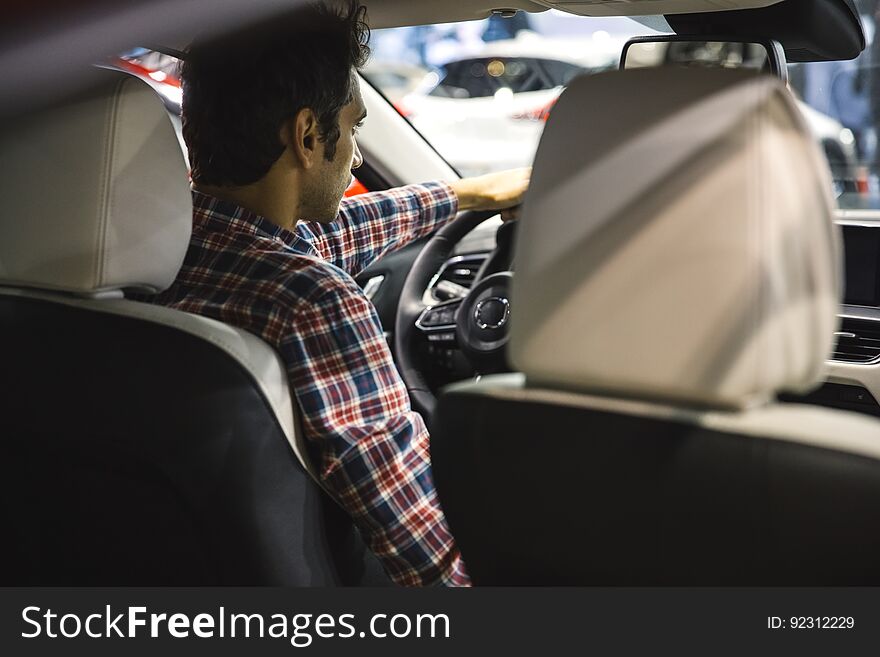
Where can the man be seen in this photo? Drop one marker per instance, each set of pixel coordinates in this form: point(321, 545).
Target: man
point(270, 122)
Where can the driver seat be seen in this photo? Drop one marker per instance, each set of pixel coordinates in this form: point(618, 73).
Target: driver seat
point(677, 267)
point(141, 445)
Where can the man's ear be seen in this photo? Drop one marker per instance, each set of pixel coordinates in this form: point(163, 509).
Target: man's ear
point(300, 135)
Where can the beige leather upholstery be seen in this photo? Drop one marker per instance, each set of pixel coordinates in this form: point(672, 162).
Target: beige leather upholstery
point(98, 199)
point(95, 193)
point(680, 247)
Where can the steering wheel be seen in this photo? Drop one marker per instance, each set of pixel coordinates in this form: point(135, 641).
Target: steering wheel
point(477, 323)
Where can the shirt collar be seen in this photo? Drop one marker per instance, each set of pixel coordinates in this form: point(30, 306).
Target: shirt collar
point(219, 214)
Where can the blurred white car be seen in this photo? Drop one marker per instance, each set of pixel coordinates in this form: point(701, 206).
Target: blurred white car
point(486, 112)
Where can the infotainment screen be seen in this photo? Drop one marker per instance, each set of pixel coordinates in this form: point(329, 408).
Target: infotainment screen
point(862, 250)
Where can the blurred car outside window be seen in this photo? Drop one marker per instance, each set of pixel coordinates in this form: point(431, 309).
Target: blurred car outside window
point(480, 91)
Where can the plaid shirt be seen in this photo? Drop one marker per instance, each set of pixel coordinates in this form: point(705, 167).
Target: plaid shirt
point(295, 290)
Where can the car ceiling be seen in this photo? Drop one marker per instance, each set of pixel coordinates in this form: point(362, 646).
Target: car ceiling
point(392, 13)
point(46, 47)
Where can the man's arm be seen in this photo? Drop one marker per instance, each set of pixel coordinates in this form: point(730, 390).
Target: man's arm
point(370, 447)
point(370, 225)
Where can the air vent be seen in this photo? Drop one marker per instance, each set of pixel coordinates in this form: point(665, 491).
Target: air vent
point(462, 270)
point(858, 341)
point(454, 278)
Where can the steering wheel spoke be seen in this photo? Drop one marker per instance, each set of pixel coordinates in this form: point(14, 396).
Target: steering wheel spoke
point(438, 322)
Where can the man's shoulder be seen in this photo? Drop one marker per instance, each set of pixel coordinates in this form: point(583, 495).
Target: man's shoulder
point(258, 269)
point(305, 278)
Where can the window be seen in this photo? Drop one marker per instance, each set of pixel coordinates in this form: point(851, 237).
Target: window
point(486, 86)
point(480, 90)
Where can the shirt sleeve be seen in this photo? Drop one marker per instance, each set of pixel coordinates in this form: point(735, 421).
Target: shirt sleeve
point(371, 225)
point(371, 448)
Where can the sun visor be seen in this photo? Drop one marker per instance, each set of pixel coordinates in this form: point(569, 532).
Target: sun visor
point(809, 30)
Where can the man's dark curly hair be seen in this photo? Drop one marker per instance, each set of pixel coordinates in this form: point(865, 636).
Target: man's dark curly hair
point(238, 91)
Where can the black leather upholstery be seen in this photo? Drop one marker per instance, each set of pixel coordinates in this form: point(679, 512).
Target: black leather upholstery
point(538, 494)
point(136, 454)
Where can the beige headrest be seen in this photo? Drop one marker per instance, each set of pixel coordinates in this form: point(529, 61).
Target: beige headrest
point(95, 193)
point(676, 242)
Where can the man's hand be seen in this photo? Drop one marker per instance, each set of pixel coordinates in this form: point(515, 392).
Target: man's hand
point(494, 191)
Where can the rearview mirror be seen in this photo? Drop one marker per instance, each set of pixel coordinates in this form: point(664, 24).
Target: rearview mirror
point(760, 56)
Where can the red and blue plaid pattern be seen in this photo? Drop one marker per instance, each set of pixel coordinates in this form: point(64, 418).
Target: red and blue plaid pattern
point(295, 290)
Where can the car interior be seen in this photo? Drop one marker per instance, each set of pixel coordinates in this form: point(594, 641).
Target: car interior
point(671, 381)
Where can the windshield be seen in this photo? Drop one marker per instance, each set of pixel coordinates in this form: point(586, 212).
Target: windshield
point(480, 91)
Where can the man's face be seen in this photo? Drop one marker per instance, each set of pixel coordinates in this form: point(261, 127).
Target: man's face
point(330, 179)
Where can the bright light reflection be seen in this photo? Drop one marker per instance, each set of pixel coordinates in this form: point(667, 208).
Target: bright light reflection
point(504, 95)
point(174, 94)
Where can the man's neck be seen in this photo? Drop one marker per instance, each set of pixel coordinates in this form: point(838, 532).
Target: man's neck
point(265, 197)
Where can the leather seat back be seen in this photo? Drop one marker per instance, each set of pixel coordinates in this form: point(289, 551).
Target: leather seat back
point(550, 488)
point(141, 445)
point(138, 454)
